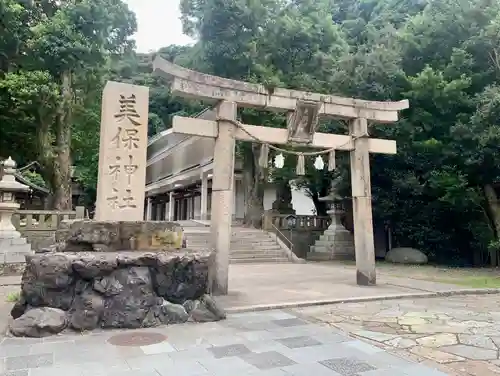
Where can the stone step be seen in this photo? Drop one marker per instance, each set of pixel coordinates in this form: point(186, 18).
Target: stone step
point(273, 245)
point(337, 250)
point(249, 252)
point(262, 251)
point(274, 248)
point(188, 230)
point(323, 243)
point(234, 239)
point(256, 242)
point(260, 235)
point(5, 243)
point(237, 250)
point(252, 239)
point(255, 247)
point(339, 243)
point(258, 260)
point(328, 238)
point(257, 251)
point(233, 229)
point(318, 256)
point(325, 256)
point(252, 255)
point(322, 249)
point(245, 229)
point(247, 245)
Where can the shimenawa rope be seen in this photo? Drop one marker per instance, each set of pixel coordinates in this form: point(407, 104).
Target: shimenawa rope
point(300, 169)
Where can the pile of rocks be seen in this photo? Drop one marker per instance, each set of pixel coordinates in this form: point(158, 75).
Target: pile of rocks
point(112, 289)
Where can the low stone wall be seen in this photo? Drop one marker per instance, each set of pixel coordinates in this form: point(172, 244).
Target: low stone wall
point(301, 241)
point(39, 226)
point(113, 290)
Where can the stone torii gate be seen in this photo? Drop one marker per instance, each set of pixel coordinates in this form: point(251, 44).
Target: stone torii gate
point(305, 107)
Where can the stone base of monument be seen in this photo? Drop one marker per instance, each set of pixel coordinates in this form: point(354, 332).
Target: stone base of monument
point(13, 252)
point(152, 284)
point(336, 243)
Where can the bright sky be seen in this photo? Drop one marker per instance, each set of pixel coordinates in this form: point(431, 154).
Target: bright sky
point(158, 24)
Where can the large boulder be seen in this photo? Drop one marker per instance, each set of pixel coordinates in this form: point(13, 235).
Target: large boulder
point(166, 313)
point(204, 310)
point(405, 255)
point(115, 290)
point(48, 281)
point(128, 305)
point(87, 310)
point(39, 322)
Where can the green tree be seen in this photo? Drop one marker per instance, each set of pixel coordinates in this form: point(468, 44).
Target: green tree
point(434, 190)
point(277, 43)
point(63, 47)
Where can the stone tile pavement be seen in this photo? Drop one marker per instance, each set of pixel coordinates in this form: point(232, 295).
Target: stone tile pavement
point(280, 284)
point(271, 343)
point(460, 334)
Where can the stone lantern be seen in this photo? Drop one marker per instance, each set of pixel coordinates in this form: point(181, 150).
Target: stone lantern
point(336, 243)
point(13, 247)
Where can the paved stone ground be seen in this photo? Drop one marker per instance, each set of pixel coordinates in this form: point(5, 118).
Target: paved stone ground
point(460, 334)
point(277, 285)
point(272, 343)
point(253, 285)
point(271, 284)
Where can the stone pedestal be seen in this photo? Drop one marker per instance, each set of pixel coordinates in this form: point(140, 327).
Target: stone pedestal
point(14, 250)
point(115, 275)
point(336, 243)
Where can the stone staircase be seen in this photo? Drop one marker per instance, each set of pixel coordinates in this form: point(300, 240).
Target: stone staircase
point(247, 245)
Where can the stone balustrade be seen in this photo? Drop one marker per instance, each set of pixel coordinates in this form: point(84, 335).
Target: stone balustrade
point(39, 226)
point(304, 222)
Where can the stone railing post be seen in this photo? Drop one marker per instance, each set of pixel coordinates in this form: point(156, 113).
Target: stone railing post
point(80, 212)
point(266, 221)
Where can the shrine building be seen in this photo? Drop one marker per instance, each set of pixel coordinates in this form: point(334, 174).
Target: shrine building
point(179, 179)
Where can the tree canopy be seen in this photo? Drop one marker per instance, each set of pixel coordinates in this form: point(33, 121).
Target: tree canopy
point(439, 192)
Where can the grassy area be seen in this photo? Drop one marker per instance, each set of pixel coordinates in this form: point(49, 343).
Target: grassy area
point(466, 277)
point(13, 297)
point(473, 281)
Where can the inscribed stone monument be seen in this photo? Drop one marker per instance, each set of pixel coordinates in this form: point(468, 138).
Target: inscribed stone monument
point(122, 153)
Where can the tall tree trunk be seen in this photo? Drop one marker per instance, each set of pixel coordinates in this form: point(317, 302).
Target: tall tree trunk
point(253, 180)
point(283, 203)
point(494, 215)
point(320, 206)
point(315, 193)
point(45, 154)
point(62, 161)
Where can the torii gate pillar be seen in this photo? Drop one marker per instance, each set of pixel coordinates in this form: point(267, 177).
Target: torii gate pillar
point(362, 204)
point(222, 196)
